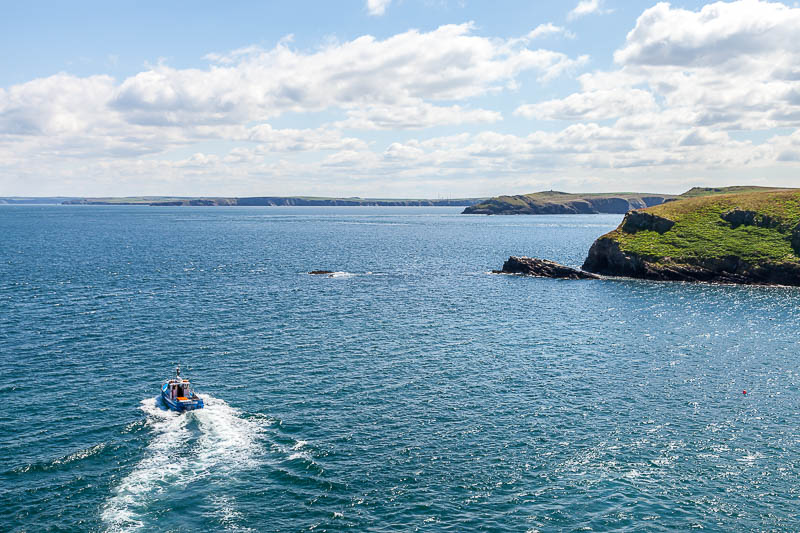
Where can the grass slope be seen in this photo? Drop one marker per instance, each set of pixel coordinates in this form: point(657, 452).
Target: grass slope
point(566, 197)
point(735, 189)
point(701, 232)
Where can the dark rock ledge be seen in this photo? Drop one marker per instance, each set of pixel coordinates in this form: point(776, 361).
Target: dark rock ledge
point(641, 220)
point(530, 266)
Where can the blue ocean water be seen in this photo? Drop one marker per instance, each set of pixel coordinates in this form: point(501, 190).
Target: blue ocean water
point(412, 390)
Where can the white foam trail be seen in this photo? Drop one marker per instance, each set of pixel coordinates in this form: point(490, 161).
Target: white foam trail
point(159, 465)
point(226, 443)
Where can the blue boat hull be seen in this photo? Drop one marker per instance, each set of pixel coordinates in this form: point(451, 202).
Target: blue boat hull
point(187, 405)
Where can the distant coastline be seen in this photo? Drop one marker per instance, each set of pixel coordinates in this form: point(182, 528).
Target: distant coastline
point(252, 201)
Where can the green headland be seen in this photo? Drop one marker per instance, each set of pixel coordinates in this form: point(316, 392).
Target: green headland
point(740, 235)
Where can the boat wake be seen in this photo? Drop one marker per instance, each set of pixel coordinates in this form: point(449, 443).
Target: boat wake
point(205, 444)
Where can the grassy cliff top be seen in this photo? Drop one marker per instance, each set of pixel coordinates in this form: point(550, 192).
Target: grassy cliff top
point(753, 226)
point(735, 189)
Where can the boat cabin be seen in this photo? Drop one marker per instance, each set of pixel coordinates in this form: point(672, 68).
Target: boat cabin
point(179, 388)
point(178, 395)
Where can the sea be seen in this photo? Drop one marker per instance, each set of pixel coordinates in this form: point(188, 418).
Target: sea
point(411, 390)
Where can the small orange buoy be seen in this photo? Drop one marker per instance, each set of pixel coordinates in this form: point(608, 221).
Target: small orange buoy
point(744, 392)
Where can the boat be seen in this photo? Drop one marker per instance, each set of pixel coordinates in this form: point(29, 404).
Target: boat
point(178, 395)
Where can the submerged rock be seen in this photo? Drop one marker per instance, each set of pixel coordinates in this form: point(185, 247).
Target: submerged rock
point(530, 266)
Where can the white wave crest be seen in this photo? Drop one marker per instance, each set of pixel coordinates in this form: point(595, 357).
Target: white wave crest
point(223, 442)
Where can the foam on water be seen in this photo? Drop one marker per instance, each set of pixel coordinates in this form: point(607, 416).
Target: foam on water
point(222, 442)
point(153, 473)
point(341, 275)
point(227, 440)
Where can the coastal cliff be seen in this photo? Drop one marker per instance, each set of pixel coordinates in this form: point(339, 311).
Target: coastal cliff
point(739, 237)
point(561, 203)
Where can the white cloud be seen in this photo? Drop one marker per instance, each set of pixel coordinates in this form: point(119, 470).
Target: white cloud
point(591, 105)
point(585, 7)
point(544, 30)
point(395, 83)
point(407, 69)
point(295, 140)
point(722, 35)
point(727, 67)
point(56, 105)
point(684, 86)
point(377, 8)
point(471, 163)
point(415, 115)
point(350, 158)
point(703, 137)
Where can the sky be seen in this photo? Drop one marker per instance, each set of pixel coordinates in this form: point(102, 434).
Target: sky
point(396, 98)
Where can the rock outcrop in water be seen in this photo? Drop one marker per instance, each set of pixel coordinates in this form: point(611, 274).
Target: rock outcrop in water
point(530, 266)
point(747, 237)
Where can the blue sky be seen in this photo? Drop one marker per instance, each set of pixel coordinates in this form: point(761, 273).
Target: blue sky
point(396, 98)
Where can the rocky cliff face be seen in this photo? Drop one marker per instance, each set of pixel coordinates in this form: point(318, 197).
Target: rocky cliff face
point(642, 221)
point(606, 257)
point(754, 239)
point(796, 239)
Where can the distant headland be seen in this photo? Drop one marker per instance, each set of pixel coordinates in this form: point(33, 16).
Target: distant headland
point(562, 203)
